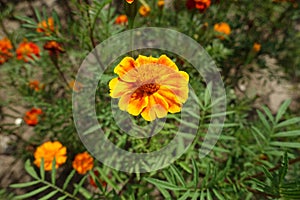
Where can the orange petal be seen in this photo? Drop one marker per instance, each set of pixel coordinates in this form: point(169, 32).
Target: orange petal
point(164, 60)
point(169, 96)
point(144, 60)
point(124, 66)
point(118, 88)
point(124, 101)
point(136, 105)
point(157, 107)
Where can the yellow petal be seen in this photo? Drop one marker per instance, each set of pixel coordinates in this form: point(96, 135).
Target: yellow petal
point(144, 60)
point(157, 107)
point(136, 105)
point(124, 101)
point(169, 96)
point(124, 66)
point(120, 88)
point(166, 61)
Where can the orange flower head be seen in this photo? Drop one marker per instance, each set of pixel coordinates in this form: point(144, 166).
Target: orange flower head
point(130, 1)
point(201, 5)
point(5, 48)
point(256, 47)
point(75, 85)
point(35, 85)
point(222, 28)
point(161, 4)
point(46, 26)
point(149, 86)
point(83, 162)
point(31, 117)
point(54, 48)
point(48, 151)
point(121, 19)
point(144, 10)
point(26, 50)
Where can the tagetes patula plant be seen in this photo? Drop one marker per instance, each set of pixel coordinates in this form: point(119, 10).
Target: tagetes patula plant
point(222, 29)
point(46, 26)
point(26, 50)
point(5, 50)
point(200, 5)
point(48, 151)
point(83, 162)
point(144, 10)
point(31, 117)
point(35, 85)
point(121, 20)
point(149, 86)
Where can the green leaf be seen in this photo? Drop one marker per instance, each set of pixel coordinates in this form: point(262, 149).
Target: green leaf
point(32, 193)
point(207, 95)
point(286, 144)
point(42, 169)
point(67, 181)
point(21, 185)
point(218, 195)
point(259, 133)
point(49, 195)
point(263, 120)
point(78, 186)
point(282, 109)
point(178, 175)
point(84, 192)
point(53, 171)
point(267, 173)
point(62, 197)
point(209, 197)
point(288, 122)
point(185, 195)
point(284, 167)
point(185, 167)
point(30, 170)
point(195, 173)
point(37, 14)
point(269, 114)
point(287, 134)
point(163, 184)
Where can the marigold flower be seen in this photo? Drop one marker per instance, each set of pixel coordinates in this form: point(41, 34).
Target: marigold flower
point(48, 151)
point(46, 26)
point(83, 162)
point(144, 10)
point(201, 5)
point(54, 48)
point(35, 85)
point(93, 183)
point(256, 47)
point(26, 50)
point(121, 19)
point(222, 28)
point(161, 3)
point(130, 1)
point(31, 117)
point(149, 86)
point(5, 47)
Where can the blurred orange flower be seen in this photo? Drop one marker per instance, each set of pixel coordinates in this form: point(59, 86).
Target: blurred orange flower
point(161, 3)
point(121, 19)
point(222, 28)
point(31, 117)
point(26, 50)
point(144, 10)
point(83, 162)
point(46, 26)
point(5, 47)
point(48, 151)
point(130, 1)
point(75, 85)
point(201, 5)
point(256, 47)
point(35, 85)
point(54, 48)
point(149, 86)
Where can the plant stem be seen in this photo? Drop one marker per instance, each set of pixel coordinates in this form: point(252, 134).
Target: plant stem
point(60, 190)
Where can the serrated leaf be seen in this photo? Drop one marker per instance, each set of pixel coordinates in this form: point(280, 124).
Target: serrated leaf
point(30, 170)
point(269, 114)
point(288, 122)
point(282, 109)
point(49, 195)
point(264, 120)
point(32, 193)
point(163, 184)
point(21, 185)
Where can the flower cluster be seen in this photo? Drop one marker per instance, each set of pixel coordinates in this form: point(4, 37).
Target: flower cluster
point(222, 29)
point(31, 117)
point(5, 48)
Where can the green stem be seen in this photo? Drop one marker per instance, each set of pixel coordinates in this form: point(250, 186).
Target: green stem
point(60, 190)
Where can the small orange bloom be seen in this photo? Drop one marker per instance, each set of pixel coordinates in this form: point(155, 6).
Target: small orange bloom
point(26, 50)
point(149, 86)
point(46, 26)
point(5, 47)
point(93, 183)
point(54, 48)
point(144, 10)
point(48, 151)
point(35, 85)
point(75, 85)
point(83, 162)
point(201, 5)
point(222, 28)
point(31, 117)
point(121, 19)
point(161, 3)
point(130, 1)
point(256, 47)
